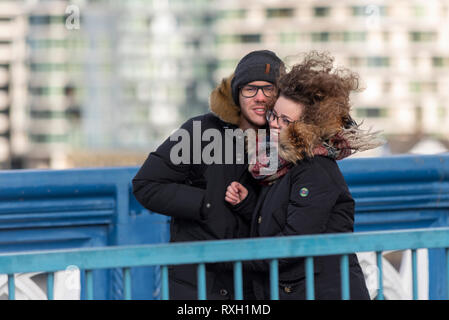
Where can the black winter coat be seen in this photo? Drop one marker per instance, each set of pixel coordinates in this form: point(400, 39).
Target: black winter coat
point(312, 198)
point(193, 196)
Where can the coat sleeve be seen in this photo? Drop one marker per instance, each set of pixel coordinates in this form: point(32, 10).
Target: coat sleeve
point(161, 186)
point(245, 209)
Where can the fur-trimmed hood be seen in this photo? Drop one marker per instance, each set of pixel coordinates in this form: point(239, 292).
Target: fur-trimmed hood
point(221, 103)
point(302, 140)
point(330, 135)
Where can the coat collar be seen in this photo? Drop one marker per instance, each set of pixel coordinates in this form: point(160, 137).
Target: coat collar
point(221, 103)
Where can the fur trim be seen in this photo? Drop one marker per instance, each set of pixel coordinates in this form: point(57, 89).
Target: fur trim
point(299, 140)
point(222, 104)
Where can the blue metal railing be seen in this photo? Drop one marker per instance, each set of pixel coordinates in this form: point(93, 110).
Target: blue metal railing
point(85, 208)
point(236, 251)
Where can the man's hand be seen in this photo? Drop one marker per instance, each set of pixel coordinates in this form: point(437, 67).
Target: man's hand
point(235, 193)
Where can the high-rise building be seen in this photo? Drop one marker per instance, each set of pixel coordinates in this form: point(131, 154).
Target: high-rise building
point(13, 84)
point(106, 77)
point(399, 48)
point(149, 66)
point(86, 82)
point(55, 82)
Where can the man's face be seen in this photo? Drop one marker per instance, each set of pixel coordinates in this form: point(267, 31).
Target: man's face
point(254, 108)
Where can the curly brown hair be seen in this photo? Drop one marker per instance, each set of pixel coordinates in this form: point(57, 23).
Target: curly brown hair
point(323, 90)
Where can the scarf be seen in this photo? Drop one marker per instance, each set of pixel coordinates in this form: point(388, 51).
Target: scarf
point(261, 168)
point(338, 147)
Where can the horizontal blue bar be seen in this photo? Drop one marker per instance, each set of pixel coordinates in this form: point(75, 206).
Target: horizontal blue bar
point(396, 168)
point(224, 250)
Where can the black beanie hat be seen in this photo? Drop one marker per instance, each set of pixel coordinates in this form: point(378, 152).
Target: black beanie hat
point(262, 65)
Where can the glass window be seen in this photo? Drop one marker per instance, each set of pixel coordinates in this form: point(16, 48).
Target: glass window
point(354, 36)
point(47, 138)
point(39, 20)
point(423, 86)
point(442, 112)
point(321, 11)
point(227, 63)
point(320, 36)
point(369, 10)
point(378, 61)
point(280, 12)
point(232, 14)
point(47, 114)
point(440, 62)
point(289, 37)
point(417, 36)
point(355, 61)
point(371, 112)
point(250, 38)
point(418, 11)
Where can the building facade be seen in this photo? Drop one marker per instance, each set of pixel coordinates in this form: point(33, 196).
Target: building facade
point(13, 85)
point(83, 83)
point(399, 48)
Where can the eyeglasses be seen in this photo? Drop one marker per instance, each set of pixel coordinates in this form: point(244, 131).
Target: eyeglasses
point(250, 91)
point(273, 116)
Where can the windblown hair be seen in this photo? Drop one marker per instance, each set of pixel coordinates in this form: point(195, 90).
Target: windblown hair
point(324, 91)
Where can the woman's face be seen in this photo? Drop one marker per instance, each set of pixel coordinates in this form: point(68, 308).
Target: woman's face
point(285, 112)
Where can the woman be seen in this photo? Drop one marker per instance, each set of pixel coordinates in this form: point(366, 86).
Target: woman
point(307, 194)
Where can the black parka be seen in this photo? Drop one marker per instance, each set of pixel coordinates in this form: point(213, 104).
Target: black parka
point(312, 198)
point(193, 194)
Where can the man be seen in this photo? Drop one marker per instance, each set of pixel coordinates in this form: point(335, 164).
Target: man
point(192, 192)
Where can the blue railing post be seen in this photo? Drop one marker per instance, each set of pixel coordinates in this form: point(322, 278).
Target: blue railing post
point(164, 285)
point(344, 270)
point(447, 272)
point(201, 273)
point(238, 280)
point(89, 285)
point(414, 275)
point(380, 292)
point(11, 287)
point(50, 286)
point(310, 292)
point(200, 253)
point(127, 280)
point(274, 279)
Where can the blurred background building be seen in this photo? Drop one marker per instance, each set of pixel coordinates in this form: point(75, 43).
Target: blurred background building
point(102, 83)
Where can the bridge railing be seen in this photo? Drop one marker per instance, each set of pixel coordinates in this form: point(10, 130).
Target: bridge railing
point(235, 251)
point(43, 210)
